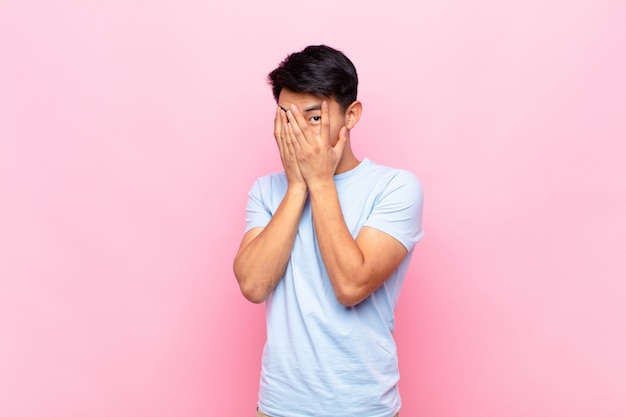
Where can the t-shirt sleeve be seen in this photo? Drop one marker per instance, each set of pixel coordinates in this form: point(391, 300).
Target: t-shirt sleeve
point(398, 209)
point(257, 213)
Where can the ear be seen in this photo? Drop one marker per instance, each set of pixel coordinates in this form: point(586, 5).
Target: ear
point(353, 114)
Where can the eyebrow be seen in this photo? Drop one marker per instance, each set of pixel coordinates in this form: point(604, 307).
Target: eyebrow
point(313, 107)
point(308, 109)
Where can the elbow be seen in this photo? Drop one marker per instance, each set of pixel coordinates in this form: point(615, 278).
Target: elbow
point(350, 296)
point(253, 295)
point(249, 289)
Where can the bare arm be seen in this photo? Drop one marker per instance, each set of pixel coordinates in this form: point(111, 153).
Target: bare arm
point(264, 252)
point(356, 267)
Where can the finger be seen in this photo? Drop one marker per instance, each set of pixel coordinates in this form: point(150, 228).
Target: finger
point(283, 133)
point(302, 127)
point(283, 121)
point(325, 133)
point(279, 133)
point(288, 141)
point(341, 141)
point(295, 135)
point(290, 145)
point(277, 123)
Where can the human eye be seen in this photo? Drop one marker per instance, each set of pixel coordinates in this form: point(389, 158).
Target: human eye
point(315, 119)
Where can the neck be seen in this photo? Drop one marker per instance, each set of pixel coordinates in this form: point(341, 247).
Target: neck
point(348, 161)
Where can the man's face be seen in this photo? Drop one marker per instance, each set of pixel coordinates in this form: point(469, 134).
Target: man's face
point(311, 108)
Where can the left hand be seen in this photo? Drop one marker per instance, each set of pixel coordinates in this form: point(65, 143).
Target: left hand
point(316, 157)
point(282, 135)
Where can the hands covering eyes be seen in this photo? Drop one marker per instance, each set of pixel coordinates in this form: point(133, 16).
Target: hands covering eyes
point(305, 150)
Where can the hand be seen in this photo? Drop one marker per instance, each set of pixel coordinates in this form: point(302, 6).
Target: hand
point(316, 158)
point(286, 149)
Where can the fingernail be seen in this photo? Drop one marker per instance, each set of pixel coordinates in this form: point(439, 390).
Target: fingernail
point(324, 103)
point(293, 107)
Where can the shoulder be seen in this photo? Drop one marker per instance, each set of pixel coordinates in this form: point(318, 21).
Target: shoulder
point(269, 189)
point(391, 178)
point(272, 181)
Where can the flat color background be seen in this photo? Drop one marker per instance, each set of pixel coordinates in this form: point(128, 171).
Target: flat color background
point(131, 132)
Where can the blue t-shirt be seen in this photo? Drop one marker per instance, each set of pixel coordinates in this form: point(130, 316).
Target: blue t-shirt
point(322, 359)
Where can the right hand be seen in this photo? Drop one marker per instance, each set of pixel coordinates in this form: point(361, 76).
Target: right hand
point(286, 150)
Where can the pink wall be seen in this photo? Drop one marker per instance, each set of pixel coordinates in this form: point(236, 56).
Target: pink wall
point(131, 131)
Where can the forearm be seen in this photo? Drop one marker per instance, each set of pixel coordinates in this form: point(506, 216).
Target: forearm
point(343, 258)
point(261, 262)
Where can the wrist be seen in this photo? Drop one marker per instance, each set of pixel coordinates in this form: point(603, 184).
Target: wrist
point(321, 185)
point(297, 189)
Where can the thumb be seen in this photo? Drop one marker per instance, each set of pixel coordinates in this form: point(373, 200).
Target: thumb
point(342, 140)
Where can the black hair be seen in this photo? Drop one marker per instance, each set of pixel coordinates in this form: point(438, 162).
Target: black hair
point(319, 70)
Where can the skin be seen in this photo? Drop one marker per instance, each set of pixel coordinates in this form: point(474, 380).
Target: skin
point(313, 138)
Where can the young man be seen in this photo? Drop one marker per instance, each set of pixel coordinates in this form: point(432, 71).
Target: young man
point(327, 246)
